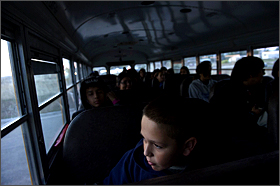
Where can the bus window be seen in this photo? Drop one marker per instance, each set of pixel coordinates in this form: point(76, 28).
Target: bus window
point(139, 66)
point(14, 167)
point(47, 86)
point(177, 66)
point(9, 103)
point(52, 121)
point(269, 55)
point(190, 62)
point(71, 100)
point(81, 71)
point(167, 64)
point(100, 70)
point(212, 58)
point(151, 67)
point(228, 60)
point(67, 72)
point(76, 71)
point(157, 65)
point(116, 70)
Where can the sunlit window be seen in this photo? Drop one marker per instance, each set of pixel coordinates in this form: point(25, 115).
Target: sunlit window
point(76, 71)
point(67, 72)
point(190, 62)
point(167, 64)
point(139, 66)
point(157, 65)
point(81, 71)
point(177, 66)
point(9, 103)
point(100, 70)
point(116, 70)
point(212, 58)
point(52, 122)
point(14, 165)
point(269, 55)
point(229, 59)
point(151, 67)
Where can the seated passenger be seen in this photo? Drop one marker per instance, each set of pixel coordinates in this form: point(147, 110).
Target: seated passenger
point(124, 81)
point(158, 81)
point(142, 75)
point(200, 88)
point(94, 94)
point(173, 138)
point(236, 104)
point(184, 70)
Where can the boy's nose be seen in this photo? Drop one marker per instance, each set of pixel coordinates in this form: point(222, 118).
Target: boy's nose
point(147, 151)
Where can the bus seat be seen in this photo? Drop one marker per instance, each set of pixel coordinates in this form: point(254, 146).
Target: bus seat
point(256, 170)
point(273, 119)
point(184, 87)
point(97, 139)
point(110, 80)
point(216, 87)
point(219, 77)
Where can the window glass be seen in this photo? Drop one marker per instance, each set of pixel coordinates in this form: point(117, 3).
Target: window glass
point(71, 101)
point(229, 59)
point(85, 71)
point(79, 96)
point(157, 65)
point(76, 71)
point(167, 64)
point(116, 70)
point(81, 71)
point(151, 67)
point(269, 55)
point(177, 66)
point(67, 72)
point(212, 58)
point(47, 86)
point(14, 165)
point(100, 70)
point(52, 122)
point(139, 66)
point(9, 103)
point(190, 62)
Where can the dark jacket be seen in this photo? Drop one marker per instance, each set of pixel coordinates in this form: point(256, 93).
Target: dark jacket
point(133, 167)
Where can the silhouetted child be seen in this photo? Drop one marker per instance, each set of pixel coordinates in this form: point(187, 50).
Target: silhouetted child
point(173, 139)
point(94, 93)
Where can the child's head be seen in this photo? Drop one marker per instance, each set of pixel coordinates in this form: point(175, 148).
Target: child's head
point(160, 76)
point(171, 129)
point(93, 93)
point(124, 81)
point(203, 69)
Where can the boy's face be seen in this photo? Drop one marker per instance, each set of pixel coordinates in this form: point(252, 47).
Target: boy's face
point(160, 150)
point(95, 96)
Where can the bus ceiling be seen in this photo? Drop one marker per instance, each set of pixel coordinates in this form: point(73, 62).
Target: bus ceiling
point(103, 31)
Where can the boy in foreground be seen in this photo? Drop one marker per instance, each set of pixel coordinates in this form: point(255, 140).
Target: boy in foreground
point(173, 130)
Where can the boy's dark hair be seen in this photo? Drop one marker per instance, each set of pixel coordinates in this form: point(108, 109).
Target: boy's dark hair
point(91, 82)
point(123, 75)
point(203, 68)
point(245, 67)
point(180, 117)
point(186, 68)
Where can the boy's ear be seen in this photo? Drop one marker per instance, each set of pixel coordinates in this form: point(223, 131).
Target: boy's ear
point(189, 146)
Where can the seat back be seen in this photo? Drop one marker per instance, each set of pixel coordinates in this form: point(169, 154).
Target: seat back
point(184, 87)
point(220, 77)
point(97, 139)
point(256, 170)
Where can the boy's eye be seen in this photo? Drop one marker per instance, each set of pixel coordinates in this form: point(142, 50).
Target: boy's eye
point(157, 146)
